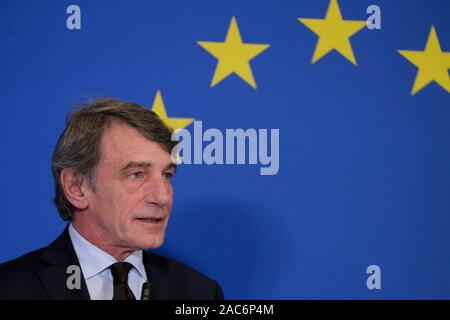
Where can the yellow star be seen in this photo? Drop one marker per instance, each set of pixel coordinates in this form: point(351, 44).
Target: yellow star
point(333, 32)
point(234, 56)
point(174, 123)
point(432, 64)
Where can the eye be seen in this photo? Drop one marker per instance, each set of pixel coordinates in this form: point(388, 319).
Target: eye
point(168, 175)
point(136, 175)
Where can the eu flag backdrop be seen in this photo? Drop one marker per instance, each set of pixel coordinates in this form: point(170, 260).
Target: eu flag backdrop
point(359, 90)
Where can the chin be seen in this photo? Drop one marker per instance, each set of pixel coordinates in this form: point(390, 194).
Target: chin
point(152, 242)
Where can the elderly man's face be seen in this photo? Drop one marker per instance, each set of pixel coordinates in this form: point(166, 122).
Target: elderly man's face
point(133, 192)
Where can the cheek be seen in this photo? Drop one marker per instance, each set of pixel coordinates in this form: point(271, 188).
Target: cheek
point(125, 207)
point(113, 205)
point(170, 202)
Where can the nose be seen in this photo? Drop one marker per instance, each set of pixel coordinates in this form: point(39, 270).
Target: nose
point(158, 191)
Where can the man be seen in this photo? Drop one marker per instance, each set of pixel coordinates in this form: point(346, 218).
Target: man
point(112, 169)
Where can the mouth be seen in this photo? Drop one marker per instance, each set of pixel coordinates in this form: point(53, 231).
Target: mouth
point(154, 221)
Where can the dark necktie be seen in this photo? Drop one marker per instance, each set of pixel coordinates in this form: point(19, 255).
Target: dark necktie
point(119, 272)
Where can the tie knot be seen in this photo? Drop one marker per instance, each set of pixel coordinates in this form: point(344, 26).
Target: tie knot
point(120, 271)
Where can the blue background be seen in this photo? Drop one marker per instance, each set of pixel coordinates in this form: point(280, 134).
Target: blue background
point(364, 165)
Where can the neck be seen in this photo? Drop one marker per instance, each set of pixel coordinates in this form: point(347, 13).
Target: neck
point(99, 238)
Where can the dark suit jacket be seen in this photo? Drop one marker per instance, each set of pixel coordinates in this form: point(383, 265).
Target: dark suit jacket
point(41, 274)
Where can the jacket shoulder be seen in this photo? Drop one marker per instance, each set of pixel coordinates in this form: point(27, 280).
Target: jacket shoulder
point(20, 273)
point(191, 283)
point(22, 265)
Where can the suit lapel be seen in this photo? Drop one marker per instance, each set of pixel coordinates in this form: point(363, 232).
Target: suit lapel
point(60, 254)
point(164, 287)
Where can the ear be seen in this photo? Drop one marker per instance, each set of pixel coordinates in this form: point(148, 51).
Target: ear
point(75, 188)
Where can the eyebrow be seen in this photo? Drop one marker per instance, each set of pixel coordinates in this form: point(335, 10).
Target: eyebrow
point(134, 164)
point(172, 166)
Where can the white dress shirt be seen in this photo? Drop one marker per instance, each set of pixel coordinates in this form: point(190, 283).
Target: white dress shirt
point(95, 262)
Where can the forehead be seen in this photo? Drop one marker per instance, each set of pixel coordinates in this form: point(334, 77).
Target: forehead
point(121, 143)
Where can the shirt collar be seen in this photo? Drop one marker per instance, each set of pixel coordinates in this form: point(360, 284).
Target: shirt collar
point(94, 260)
